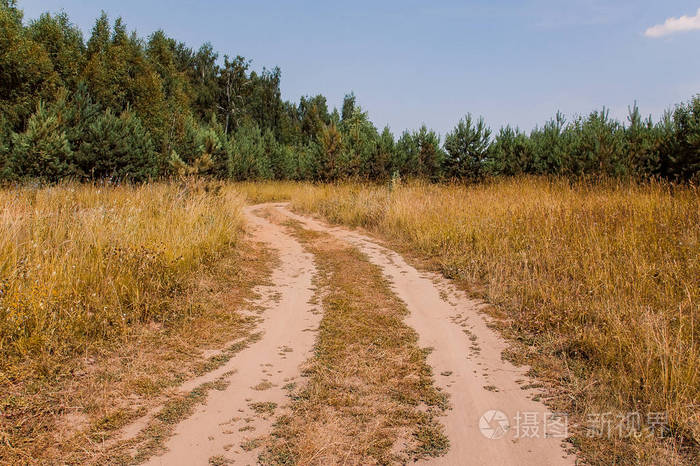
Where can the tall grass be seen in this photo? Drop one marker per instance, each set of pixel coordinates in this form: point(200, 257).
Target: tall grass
point(605, 278)
point(81, 264)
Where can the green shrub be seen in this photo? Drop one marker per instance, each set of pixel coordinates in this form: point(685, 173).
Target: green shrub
point(42, 151)
point(248, 158)
point(642, 145)
point(681, 160)
point(467, 147)
point(118, 147)
point(596, 146)
point(509, 154)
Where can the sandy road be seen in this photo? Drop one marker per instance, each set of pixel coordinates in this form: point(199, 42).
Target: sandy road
point(493, 419)
point(480, 383)
point(229, 418)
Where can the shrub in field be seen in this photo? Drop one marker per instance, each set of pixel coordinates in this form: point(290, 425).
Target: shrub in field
point(682, 161)
point(509, 154)
point(118, 147)
point(467, 148)
point(595, 147)
point(248, 159)
point(43, 150)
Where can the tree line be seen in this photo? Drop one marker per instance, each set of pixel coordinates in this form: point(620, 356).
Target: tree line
point(121, 107)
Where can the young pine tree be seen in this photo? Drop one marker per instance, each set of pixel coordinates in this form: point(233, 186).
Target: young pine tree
point(42, 151)
point(641, 144)
point(683, 163)
point(467, 148)
point(118, 147)
point(510, 154)
point(430, 154)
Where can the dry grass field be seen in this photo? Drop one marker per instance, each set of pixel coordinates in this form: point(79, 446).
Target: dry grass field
point(109, 293)
point(598, 286)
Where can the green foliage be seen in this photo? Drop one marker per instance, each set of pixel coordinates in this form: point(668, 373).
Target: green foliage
point(5, 135)
point(330, 148)
point(430, 154)
point(264, 102)
point(380, 163)
point(349, 103)
point(682, 162)
point(510, 153)
point(467, 147)
point(120, 76)
point(249, 158)
point(418, 154)
point(359, 138)
point(405, 156)
point(42, 151)
point(64, 44)
point(549, 146)
point(126, 108)
point(312, 114)
point(235, 87)
point(642, 144)
point(119, 148)
point(26, 72)
point(596, 146)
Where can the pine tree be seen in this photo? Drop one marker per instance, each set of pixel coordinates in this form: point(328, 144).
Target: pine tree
point(509, 154)
point(349, 103)
point(42, 151)
point(380, 164)
point(119, 148)
point(596, 146)
point(330, 144)
point(682, 162)
point(467, 148)
point(248, 159)
point(641, 144)
point(430, 154)
point(549, 145)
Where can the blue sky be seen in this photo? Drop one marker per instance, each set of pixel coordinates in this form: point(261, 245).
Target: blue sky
point(412, 62)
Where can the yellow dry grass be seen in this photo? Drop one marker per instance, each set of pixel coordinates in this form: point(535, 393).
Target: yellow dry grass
point(81, 263)
point(603, 279)
point(108, 294)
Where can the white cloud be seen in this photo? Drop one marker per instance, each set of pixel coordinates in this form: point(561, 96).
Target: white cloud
point(673, 25)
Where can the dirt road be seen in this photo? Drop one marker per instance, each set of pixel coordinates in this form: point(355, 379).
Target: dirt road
point(492, 419)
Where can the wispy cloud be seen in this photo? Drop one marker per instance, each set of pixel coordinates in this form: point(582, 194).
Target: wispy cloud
point(673, 25)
